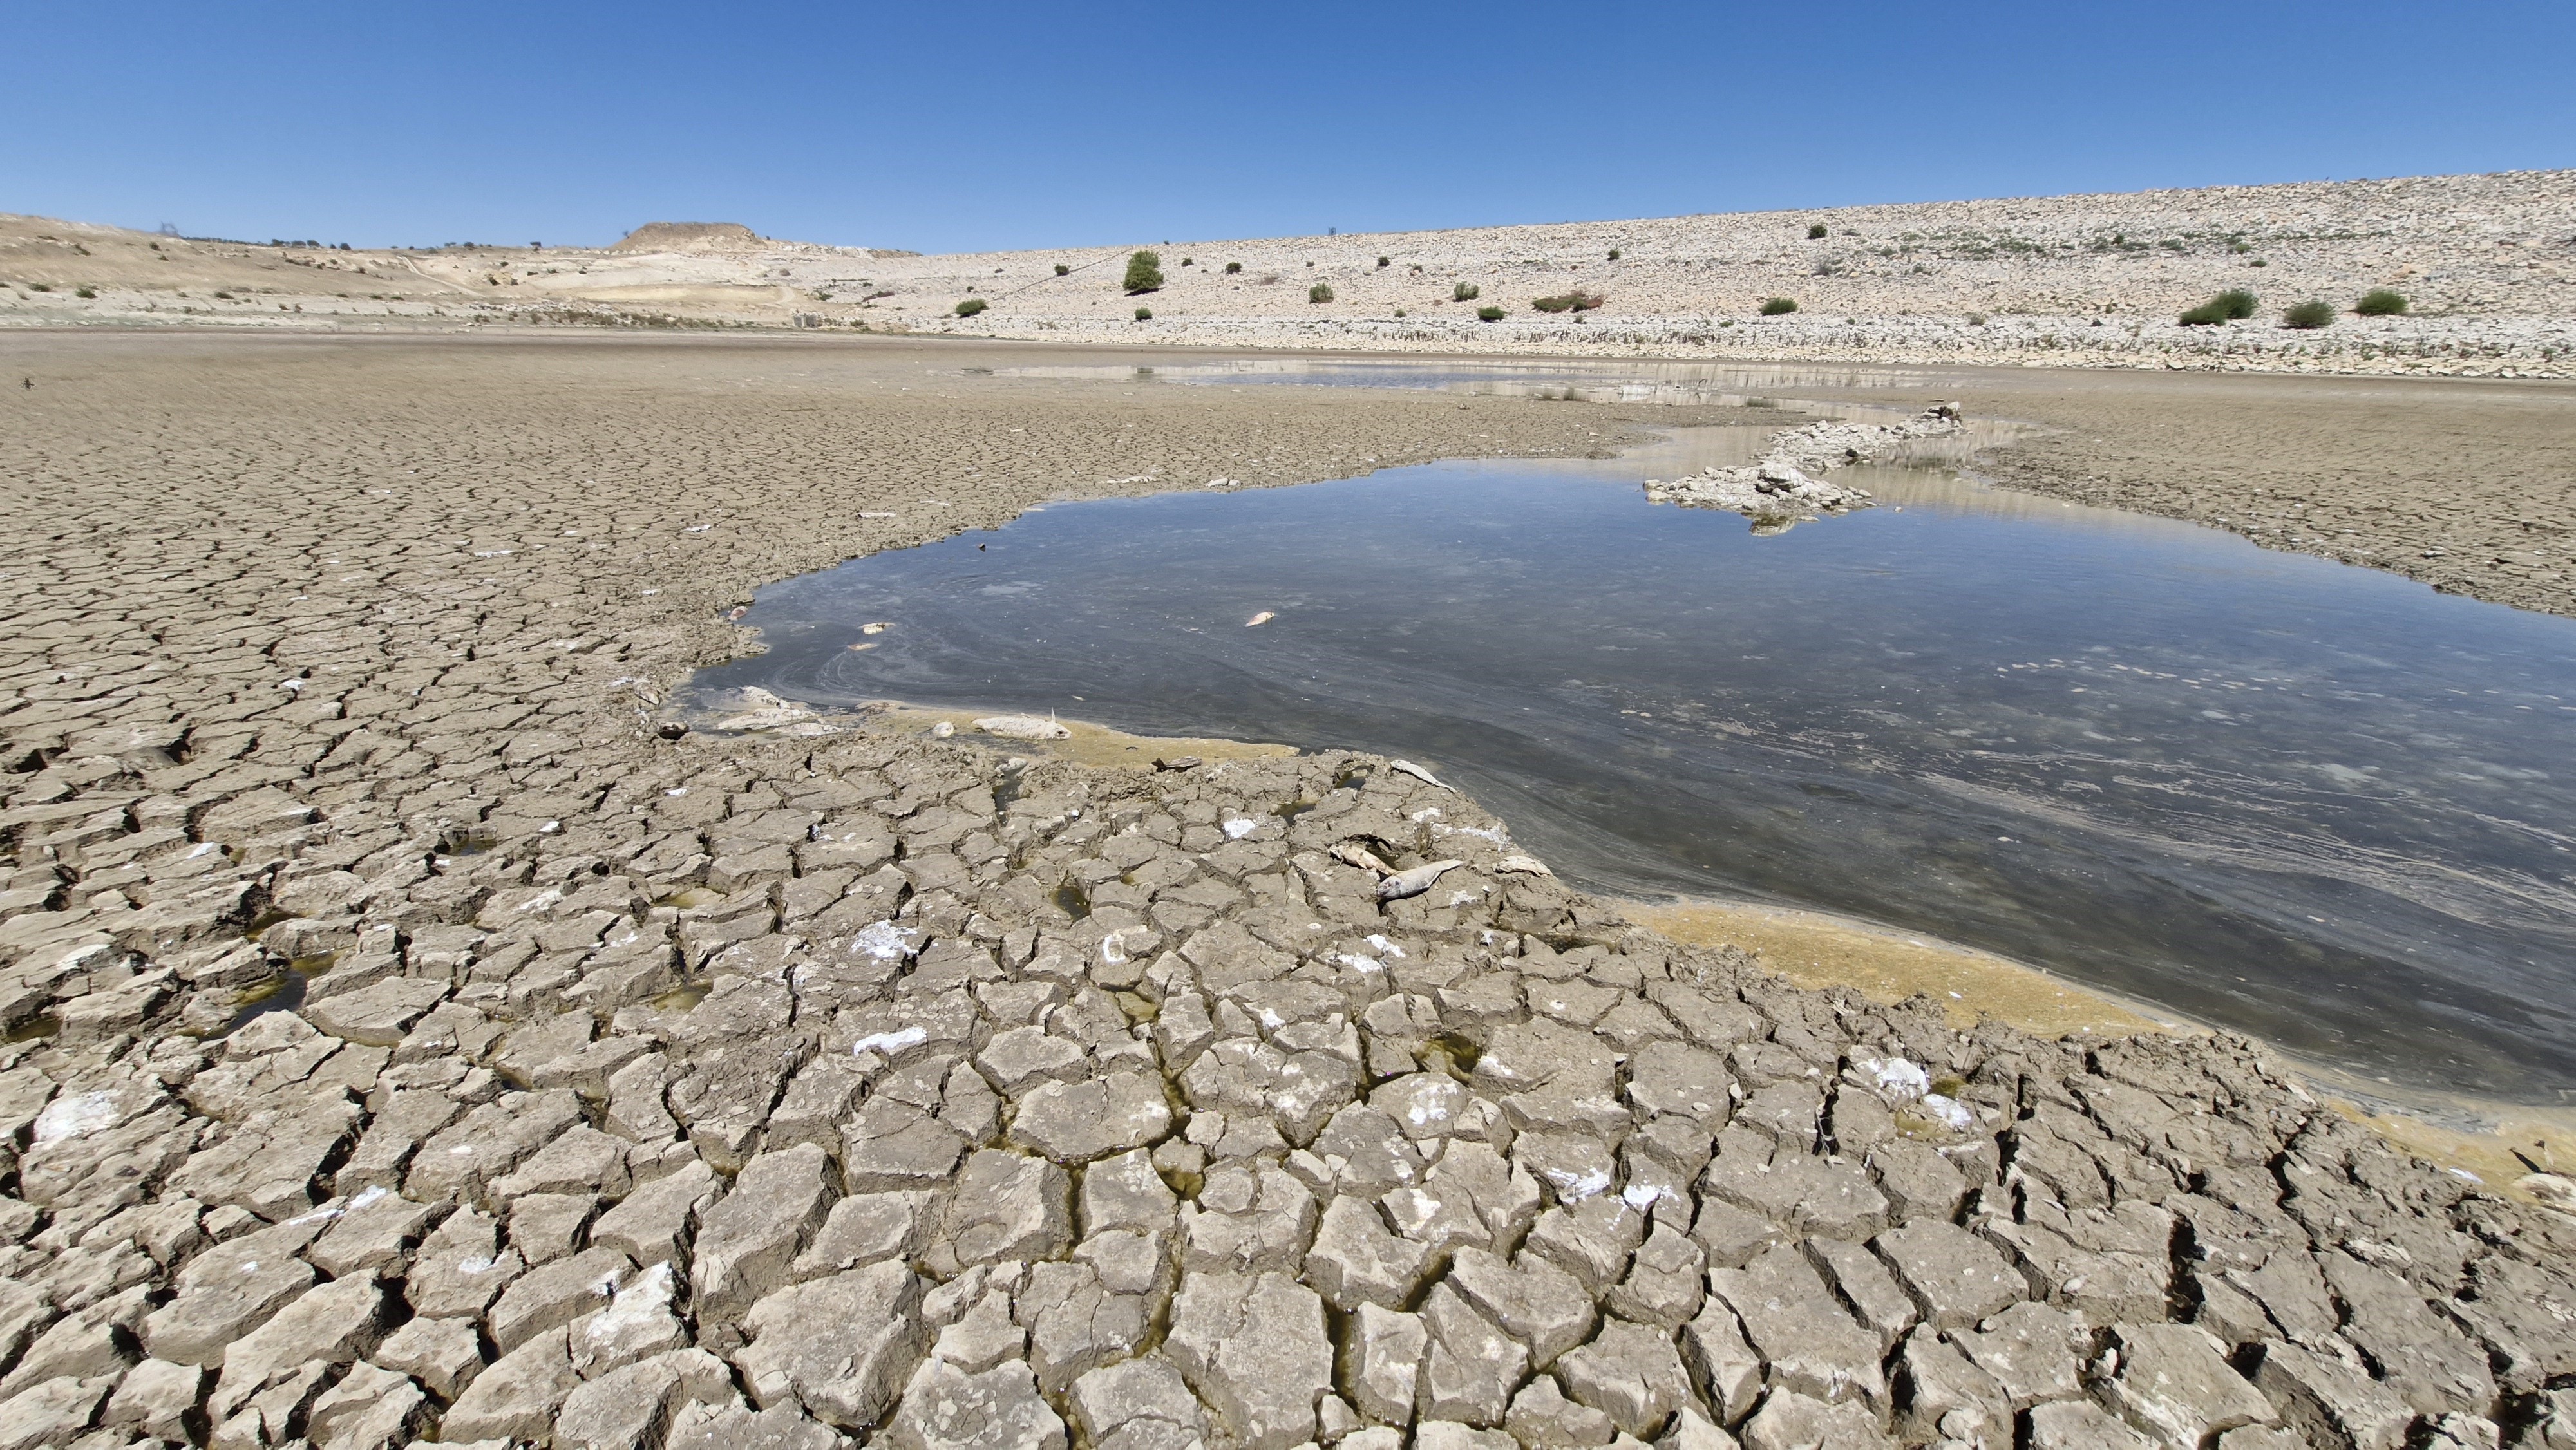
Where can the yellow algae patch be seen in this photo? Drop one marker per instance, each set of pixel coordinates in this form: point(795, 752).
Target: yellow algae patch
point(1814, 949)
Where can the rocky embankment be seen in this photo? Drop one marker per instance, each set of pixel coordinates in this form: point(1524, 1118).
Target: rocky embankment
point(1780, 490)
point(412, 1045)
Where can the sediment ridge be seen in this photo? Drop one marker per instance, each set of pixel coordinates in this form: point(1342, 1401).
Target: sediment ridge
point(412, 1042)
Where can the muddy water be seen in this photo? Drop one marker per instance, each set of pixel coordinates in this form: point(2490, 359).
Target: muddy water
point(2321, 804)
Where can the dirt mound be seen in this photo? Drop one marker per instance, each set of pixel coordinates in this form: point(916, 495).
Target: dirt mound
point(691, 237)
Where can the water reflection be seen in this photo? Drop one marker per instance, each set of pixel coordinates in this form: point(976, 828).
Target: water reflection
point(2317, 803)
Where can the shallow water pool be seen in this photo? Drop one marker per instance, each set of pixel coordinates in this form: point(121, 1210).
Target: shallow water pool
point(2316, 803)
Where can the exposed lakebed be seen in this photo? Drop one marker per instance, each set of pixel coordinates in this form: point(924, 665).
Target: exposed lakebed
point(2316, 803)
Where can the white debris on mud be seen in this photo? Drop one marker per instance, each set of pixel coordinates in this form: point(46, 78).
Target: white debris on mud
point(1779, 490)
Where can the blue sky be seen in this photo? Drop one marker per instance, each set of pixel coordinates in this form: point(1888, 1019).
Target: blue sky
point(962, 126)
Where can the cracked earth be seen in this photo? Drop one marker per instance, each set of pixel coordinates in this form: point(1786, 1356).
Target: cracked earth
point(408, 1044)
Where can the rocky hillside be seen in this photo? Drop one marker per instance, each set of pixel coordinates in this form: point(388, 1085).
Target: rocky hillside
point(2486, 263)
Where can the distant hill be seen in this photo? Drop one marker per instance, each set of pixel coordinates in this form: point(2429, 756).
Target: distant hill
point(691, 237)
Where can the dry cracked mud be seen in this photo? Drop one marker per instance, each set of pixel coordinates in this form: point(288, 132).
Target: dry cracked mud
point(613, 1091)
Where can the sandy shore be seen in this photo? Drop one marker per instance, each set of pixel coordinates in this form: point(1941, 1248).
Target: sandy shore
point(618, 1078)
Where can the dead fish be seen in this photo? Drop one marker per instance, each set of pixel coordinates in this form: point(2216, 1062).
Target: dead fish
point(1023, 727)
point(879, 627)
point(1352, 853)
point(863, 646)
point(1414, 882)
point(873, 514)
point(1176, 762)
point(1264, 617)
point(1418, 773)
point(1523, 866)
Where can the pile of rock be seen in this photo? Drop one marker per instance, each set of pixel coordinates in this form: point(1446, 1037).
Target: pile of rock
point(1779, 490)
point(883, 1088)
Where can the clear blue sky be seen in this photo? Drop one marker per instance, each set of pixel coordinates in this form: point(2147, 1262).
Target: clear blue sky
point(956, 126)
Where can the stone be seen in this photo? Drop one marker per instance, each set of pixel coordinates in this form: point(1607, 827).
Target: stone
point(1945, 1396)
point(1630, 1372)
point(1470, 1367)
point(552, 1295)
point(946, 1408)
point(2032, 1350)
point(1693, 1431)
point(2175, 1387)
point(517, 1396)
point(865, 1228)
point(227, 1291)
point(443, 1354)
point(1865, 1286)
point(1955, 1278)
point(1667, 1278)
point(889, 1144)
point(1792, 1421)
point(1254, 1348)
point(841, 1347)
point(637, 1323)
point(1541, 1415)
point(51, 1413)
point(1812, 1346)
point(1005, 1206)
point(1140, 1404)
point(651, 1223)
point(731, 1427)
point(1355, 1260)
point(747, 1239)
point(2328, 1403)
point(1249, 1217)
point(1729, 1374)
point(379, 1014)
point(548, 1226)
point(369, 1409)
point(1076, 1122)
point(155, 1398)
point(635, 1405)
point(335, 1323)
point(1534, 1301)
point(2080, 1425)
point(1452, 1435)
point(1381, 1362)
point(1127, 1192)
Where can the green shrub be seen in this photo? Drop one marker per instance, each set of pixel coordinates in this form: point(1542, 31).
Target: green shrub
point(1489, 314)
point(1399, 312)
point(1320, 292)
point(1061, 269)
point(2310, 314)
point(85, 292)
point(1233, 267)
point(1144, 273)
point(1779, 305)
point(2233, 305)
point(971, 306)
point(48, 287)
point(1816, 232)
point(2380, 302)
point(1465, 292)
point(1575, 301)
point(1386, 261)
point(1186, 262)
point(1144, 314)
point(1614, 254)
